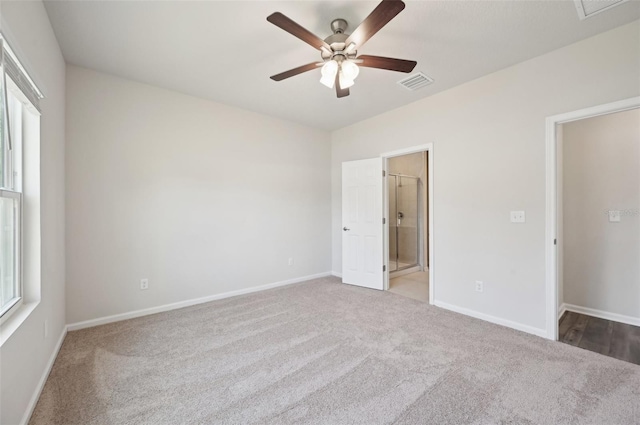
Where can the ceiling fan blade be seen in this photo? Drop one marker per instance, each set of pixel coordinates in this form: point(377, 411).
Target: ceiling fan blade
point(279, 20)
point(381, 15)
point(294, 71)
point(399, 65)
point(340, 92)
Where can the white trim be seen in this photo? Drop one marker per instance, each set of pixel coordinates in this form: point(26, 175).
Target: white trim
point(187, 303)
point(428, 147)
point(562, 310)
point(385, 226)
point(15, 305)
point(407, 151)
point(43, 379)
point(551, 286)
point(336, 274)
point(431, 209)
point(551, 279)
point(614, 317)
point(15, 320)
point(18, 273)
point(496, 320)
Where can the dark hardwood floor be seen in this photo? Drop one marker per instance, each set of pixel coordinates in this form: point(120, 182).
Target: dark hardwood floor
point(612, 339)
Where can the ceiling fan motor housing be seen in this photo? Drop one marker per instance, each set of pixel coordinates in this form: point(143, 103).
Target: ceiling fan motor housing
point(337, 41)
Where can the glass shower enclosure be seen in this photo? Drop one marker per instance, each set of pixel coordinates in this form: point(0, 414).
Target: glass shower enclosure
point(403, 221)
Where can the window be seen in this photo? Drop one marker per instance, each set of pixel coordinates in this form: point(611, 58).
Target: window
point(18, 103)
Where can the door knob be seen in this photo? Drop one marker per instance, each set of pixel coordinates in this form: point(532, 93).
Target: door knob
point(345, 229)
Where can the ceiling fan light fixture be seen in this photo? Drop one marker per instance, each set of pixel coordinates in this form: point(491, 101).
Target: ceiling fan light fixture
point(329, 71)
point(327, 81)
point(345, 82)
point(350, 70)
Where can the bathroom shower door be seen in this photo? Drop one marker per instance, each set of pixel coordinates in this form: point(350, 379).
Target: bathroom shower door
point(403, 222)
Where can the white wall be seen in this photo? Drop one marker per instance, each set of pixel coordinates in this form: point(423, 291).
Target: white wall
point(601, 173)
point(198, 197)
point(25, 355)
point(489, 158)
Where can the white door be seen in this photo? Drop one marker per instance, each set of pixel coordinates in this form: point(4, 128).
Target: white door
point(362, 227)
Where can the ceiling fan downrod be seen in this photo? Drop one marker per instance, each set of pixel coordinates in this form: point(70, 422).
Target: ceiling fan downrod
point(339, 26)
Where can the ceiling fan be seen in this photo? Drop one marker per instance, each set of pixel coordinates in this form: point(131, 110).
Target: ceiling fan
point(339, 50)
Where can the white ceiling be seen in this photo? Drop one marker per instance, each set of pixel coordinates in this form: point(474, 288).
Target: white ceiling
point(226, 50)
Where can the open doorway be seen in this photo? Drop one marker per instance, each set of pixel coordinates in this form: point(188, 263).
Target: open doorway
point(407, 230)
point(594, 217)
point(406, 188)
point(365, 206)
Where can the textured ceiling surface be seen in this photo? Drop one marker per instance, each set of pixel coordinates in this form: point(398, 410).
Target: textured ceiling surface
point(225, 51)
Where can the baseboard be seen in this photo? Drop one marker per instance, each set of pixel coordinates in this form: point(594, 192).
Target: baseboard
point(337, 274)
point(497, 320)
point(614, 317)
point(187, 303)
point(47, 370)
point(562, 310)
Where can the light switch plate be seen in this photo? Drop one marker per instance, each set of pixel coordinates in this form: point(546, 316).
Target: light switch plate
point(517, 217)
point(614, 216)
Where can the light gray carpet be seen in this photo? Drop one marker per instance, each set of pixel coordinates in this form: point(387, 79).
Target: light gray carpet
point(327, 353)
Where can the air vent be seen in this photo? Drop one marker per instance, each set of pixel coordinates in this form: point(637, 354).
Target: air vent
point(416, 81)
point(588, 8)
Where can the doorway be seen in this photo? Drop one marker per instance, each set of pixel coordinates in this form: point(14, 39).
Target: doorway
point(599, 234)
point(566, 321)
point(365, 222)
point(407, 215)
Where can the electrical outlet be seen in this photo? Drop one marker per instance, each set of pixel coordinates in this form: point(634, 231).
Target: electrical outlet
point(479, 286)
point(614, 216)
point(46, 328)
point(291, 261)
point(144, 284)
point(517, 217)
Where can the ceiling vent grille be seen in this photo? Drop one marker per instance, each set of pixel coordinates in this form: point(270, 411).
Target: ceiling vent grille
point(589, 8)
point(416, 81)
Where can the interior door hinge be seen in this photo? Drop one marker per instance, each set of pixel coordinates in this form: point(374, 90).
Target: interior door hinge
point(384, 173)
point(555, 242)
point(384, 220)
point(384, 268)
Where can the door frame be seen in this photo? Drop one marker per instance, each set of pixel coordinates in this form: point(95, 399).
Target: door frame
point(428, 147)
point(553, 169)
